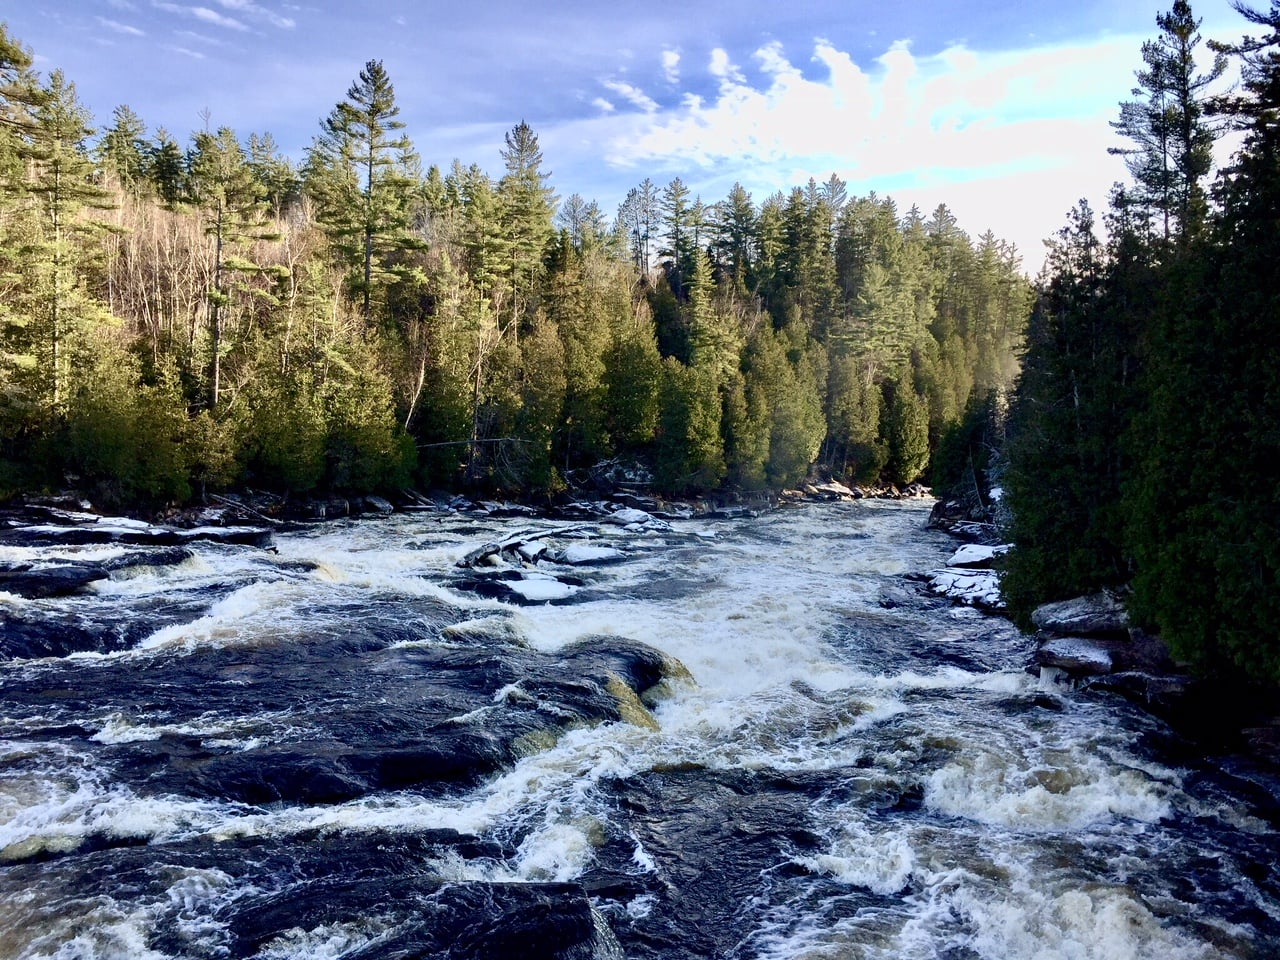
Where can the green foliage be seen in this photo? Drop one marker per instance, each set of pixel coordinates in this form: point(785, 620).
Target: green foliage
point(965, 453)
point(689, 455)
point(906, 430)
point(282, 433)
point(124, 439)
point(311, 332)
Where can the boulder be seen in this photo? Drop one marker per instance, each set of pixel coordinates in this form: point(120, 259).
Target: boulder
point(1078, 656)
point(1099, 614)
point(976, 555)
point(53, 581)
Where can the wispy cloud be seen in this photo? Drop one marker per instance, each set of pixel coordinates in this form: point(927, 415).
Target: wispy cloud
point(603, 104)
point(121, 4)
point(184, 51)
point(201, 13)
point(199, 38)
point(258, 12)
point(119, 27)
point(632, 94)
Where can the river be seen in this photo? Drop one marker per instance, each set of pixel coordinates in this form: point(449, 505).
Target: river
point(749, 738)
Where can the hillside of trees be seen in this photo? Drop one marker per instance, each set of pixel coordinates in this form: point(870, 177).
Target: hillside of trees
point(1145, 428)
point(182, 317)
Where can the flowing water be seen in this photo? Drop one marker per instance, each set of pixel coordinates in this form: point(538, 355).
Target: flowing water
point(742, 738)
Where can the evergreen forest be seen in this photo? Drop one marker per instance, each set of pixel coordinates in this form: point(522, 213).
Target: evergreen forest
point(1144, 435)
point(179, 316)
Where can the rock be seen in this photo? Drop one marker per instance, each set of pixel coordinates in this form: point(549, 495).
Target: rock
point(729, 513)
point(532, 551)
point(133, 532)
point(581, 554)
point(61, 580)
point(976, 555)
point(831, 490)
point(1097, 615)
point(160, 557)
point(376, 505)
point(1078, 656)
point(979, 588)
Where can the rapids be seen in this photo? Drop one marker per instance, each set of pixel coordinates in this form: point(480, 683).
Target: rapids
point(749, 738)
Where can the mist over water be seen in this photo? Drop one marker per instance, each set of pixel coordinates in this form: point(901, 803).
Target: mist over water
point(750, 738)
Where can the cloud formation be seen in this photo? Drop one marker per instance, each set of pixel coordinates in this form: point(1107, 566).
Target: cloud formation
point(971, 128)
point(258, 12)
point(118, 27)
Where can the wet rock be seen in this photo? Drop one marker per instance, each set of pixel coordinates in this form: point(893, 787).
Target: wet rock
point(830, 491)
point(586, 554)
point(1079, 656)
point(977, 555)
point(130, 532)
point(161, 557)
point(978, 588)
point(1096, 615)
point(372, 506)
point(732, 512)
point(60, 580)
point(29, 638)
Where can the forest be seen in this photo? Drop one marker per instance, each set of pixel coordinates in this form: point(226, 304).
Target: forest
point(178, 318)
point(1144, 432)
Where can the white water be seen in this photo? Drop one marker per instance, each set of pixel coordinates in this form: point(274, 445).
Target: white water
point(1037, 834)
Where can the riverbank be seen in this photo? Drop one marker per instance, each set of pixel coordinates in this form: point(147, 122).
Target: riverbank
point(1089, 644)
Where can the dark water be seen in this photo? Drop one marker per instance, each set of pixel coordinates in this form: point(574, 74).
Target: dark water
point(746, 738)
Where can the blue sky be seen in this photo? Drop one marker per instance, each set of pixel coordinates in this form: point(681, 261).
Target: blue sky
point(999, 109)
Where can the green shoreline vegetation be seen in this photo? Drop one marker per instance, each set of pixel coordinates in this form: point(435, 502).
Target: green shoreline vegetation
point(177, 320)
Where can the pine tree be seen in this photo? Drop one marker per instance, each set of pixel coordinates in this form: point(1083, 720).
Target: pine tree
point(528, 205)
point(59, 306)
point(355, 174)
point(224, 186)
point(123, 148)
point(1173, 139)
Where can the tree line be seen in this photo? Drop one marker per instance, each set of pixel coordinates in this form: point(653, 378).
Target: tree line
point(1145, 429)
point(175, 319)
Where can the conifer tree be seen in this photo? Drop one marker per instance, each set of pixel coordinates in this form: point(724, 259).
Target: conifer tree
point(59, 306)
point(1173, 138)
point(224, 186)
point(123, 148)
point(528, 205)
point(355, 174)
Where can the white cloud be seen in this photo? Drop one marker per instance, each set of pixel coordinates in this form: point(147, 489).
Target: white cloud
point(121, 4)
point(118, 27)
point(671, 65)
point(722, 67)
point(632, 94)
point(193, 54)
point(200, 13)
point(603, 104)
point(251, 9)
point(962, 127)
point(217, 19)
point(199, 38)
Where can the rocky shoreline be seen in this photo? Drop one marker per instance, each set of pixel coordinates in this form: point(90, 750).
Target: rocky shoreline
point(1089, 644)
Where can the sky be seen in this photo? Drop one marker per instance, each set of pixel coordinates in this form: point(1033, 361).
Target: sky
point(998, 108)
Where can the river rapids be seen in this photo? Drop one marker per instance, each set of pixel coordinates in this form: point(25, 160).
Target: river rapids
point(748, 738)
